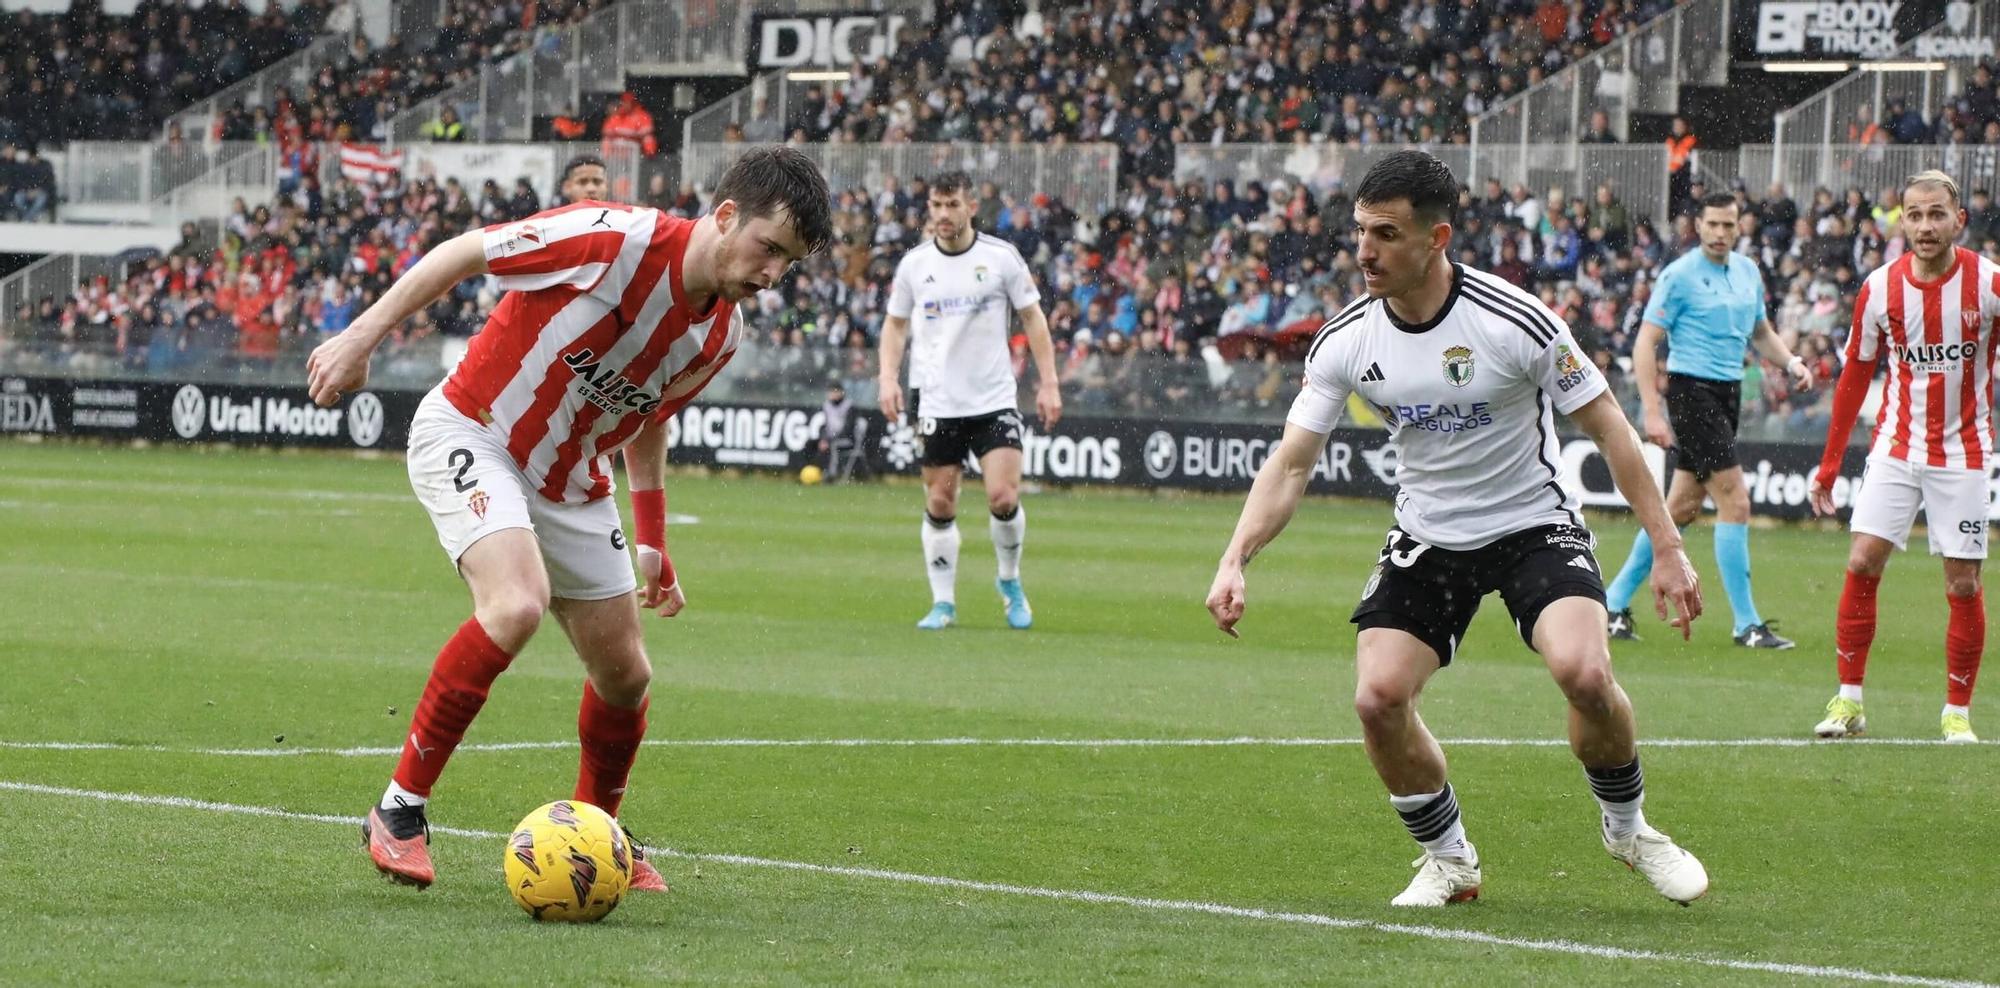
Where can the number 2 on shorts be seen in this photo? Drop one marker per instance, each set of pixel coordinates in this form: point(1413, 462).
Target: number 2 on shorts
point(462, 459)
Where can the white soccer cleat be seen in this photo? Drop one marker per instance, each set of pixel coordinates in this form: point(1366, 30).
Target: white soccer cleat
point(1843, 719)
point(1958, 729)
point(1441, 881)
point(1674, 873)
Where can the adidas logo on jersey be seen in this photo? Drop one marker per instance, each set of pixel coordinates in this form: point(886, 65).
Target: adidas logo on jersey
point(930, 280)
point(1373, 373)
point(1582, 563)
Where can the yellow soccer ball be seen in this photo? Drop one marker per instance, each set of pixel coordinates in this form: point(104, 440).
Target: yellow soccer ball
point(568, 862)
point(810, 475)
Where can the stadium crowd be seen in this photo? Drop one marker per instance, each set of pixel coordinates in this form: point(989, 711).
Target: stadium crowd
point(1971, 118)
point(1199, 299)
point(1151, 76)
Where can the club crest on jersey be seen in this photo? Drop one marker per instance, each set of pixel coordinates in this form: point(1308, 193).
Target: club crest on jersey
point(1458, 365)
point(478, 502)
point(1569, 369)
point(1971, 321)
point(606, 387)
point(979, 272)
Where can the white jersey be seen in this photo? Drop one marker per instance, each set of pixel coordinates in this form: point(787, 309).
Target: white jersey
point(1470, 398)
point(958, 306)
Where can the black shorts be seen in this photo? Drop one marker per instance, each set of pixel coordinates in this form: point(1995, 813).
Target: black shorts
point(945, 442)
point(1704, 415)
point(1433, 593)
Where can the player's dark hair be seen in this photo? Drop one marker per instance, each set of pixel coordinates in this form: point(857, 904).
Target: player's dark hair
point(1719, 200)
point(1416, 177)
point(766, 180)
point(582, 161)
point(949, 183)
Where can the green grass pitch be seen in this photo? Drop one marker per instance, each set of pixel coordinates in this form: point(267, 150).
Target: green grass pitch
point(166, 611)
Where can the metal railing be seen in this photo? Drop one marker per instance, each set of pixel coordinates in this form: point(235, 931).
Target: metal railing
point(54, 277)
point(1641, 71)
point(416, 22)
point(131, 173)
point(1083, 175)
point(1844, 112)
point(774, 90)
point(1869, 168)
point(1637, 173)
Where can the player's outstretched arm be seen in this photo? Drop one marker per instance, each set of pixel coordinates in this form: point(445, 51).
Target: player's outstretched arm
point(645, 471)
point(1848, 396)
point(1274, 496)
point(1048, 392)
point(1673, 576)
point(340, 365)
point(1646, 374)
point(1772, 347)
point(895, 337)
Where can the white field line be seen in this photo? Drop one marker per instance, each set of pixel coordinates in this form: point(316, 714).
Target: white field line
point(275, 492)
point(1446, 934)
point(1232, 742)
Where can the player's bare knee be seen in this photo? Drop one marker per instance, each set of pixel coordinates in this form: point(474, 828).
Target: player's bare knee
point(1382, 708)
point(1960, 582)
point(1585, 680)
point(511, 618)
point(1863, 563)
point(1002, 501)
point(625, 684)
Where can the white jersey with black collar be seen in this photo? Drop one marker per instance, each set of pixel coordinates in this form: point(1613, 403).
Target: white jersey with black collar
point(1470, 398)
point(959, 307)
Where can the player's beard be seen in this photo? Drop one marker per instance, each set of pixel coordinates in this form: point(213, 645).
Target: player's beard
point(1387, 286)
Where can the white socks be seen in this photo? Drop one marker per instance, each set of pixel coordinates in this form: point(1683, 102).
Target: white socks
point(1008, 535)
point(1433, 821)
point(396, 796)
point(1850, 692)
point(1950, 709)
point(941, 557)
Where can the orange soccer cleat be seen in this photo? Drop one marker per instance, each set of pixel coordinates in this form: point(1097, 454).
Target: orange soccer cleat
point(399, 841)
point(645, 877)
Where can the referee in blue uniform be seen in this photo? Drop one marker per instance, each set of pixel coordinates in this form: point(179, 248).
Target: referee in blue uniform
point(1708, 304)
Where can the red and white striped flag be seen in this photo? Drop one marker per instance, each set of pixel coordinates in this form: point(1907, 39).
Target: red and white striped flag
point(368, 163)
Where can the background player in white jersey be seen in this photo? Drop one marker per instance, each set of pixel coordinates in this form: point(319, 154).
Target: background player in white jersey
point(1469, 371)
point(951, 303)
point(1930, 314)
point(614, 318)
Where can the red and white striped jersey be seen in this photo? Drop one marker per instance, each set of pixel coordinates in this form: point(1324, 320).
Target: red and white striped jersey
point(593, 337)
point(1939, 340)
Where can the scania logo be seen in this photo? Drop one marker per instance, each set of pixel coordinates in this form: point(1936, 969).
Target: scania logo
point(1160, 455)
point(190, 408)
point(364, 419)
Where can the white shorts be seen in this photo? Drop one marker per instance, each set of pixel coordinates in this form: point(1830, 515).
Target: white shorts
point(469, 484)
point(1954, 501)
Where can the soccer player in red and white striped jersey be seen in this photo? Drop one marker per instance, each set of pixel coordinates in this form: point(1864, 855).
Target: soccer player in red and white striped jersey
point(1930, 316)
point(614, 318)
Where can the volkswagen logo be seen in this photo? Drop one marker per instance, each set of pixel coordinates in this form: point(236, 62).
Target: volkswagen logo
point(364, 419)
point(190, 408)
point(1160, 455)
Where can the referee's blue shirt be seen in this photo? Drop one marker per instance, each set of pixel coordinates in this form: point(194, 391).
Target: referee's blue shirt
point(1709, 311)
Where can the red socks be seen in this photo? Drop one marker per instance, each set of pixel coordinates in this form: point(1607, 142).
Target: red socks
point(460, 678)
point(1964, 640)
point(1856, 627)
point(610, 737)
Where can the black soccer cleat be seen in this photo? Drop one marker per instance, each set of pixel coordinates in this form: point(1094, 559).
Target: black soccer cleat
point(1620, 626)
point(1761, 636)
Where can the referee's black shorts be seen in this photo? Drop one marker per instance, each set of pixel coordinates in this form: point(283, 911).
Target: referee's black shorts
point(1704, 415)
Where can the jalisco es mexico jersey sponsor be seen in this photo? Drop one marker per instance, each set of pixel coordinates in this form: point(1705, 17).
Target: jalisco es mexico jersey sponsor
point(1938, 339)
point(593, 337)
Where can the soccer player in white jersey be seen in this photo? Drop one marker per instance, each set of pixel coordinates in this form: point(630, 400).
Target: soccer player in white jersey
point(1470, 372)
point(614, 318)
point(951, 302)
point(1929, 315)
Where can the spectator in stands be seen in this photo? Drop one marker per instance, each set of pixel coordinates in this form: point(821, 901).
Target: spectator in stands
point(446, 127)
point(1680, 168)
point(629, 126)
point(1599, 131)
